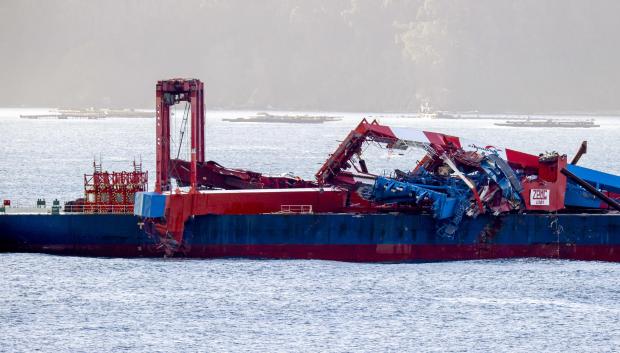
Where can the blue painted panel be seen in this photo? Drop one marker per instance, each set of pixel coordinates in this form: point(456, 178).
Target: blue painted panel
point(598, 179)
point(85, 232)
point(343, 229)
point(577, 196)
point(72, 229)
point(149, 204)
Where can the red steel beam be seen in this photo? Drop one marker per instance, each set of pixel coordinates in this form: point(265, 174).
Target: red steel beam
point(170, 92)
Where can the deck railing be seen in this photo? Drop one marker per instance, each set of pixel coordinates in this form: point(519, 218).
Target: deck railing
point(86, 208)
point(295, 208)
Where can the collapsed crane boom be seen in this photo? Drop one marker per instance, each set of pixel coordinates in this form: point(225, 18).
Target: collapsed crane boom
point(457, 178)
point(351, 146)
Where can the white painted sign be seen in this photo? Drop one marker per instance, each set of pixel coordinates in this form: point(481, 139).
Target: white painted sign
point(539, 197)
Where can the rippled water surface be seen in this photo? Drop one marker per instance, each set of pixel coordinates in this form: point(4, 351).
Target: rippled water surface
point(83, 304)
point(68, 304)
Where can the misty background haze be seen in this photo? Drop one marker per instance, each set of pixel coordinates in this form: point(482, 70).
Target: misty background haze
point(342, 55)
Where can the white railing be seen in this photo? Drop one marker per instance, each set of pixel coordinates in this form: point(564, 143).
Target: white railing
point(86, 208)
point(22, 207)
point(295, 208)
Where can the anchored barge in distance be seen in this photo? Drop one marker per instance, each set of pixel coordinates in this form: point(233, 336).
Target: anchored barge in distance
point(550, 123)
point(463, 200)
point(291, 119)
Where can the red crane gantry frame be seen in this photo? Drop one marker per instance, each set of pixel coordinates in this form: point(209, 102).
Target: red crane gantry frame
point(168, 93)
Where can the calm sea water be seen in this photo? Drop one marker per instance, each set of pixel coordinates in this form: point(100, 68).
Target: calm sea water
point(67, 304)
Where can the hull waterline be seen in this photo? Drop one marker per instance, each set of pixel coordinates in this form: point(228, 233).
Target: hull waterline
point(339, 237)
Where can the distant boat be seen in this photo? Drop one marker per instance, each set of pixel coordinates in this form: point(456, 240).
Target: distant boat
point(426, 111)
point(290, 119)
point(91, 113)
point(550, 123)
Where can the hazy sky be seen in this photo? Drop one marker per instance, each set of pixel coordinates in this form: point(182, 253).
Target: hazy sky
point(488, 55)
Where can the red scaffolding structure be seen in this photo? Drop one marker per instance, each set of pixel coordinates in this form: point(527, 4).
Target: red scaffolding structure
point(110, 192)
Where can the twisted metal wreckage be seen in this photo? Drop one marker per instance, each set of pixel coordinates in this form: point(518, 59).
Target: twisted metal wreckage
point(456, 178)
point(461, 200)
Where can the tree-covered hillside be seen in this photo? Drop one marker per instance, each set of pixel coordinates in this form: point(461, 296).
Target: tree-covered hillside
point(488, 55)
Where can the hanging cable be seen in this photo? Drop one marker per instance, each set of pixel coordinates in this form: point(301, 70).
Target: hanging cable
point(183, 128)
